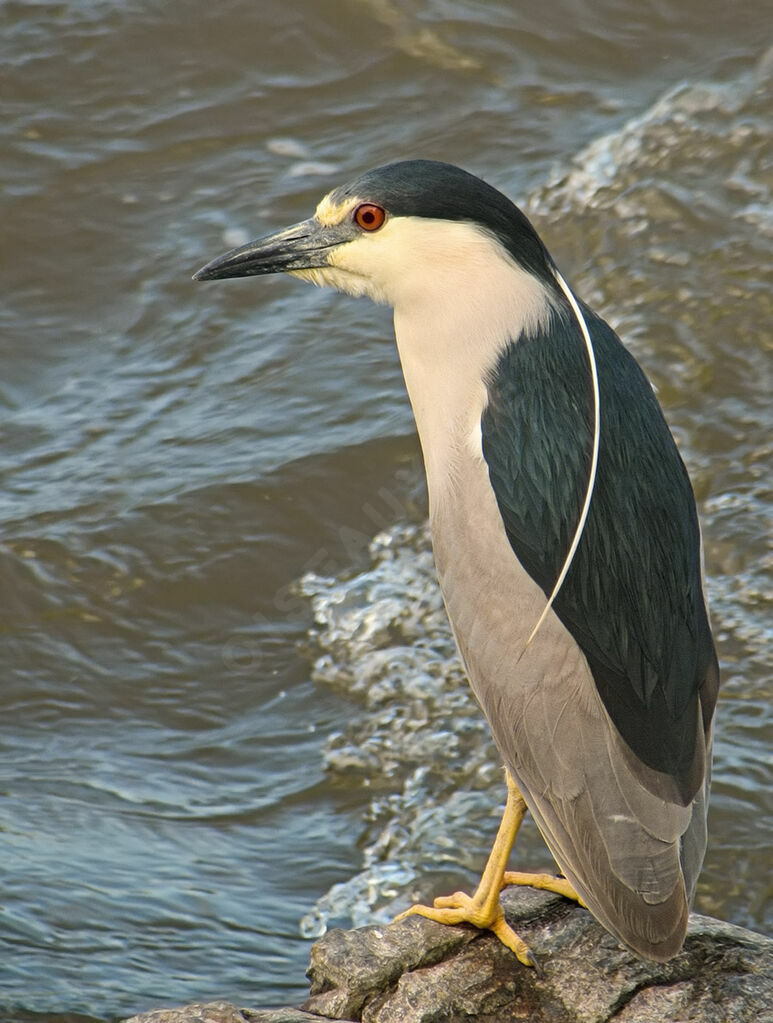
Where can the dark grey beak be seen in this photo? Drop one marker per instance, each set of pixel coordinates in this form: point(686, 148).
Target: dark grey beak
point(303, 246)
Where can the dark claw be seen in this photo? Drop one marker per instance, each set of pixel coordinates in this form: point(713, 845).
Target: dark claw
point(534, 963)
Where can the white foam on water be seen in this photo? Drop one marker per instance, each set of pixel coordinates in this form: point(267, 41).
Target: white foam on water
point(688, 110)
point(312, 168)
point(418, 738)
point(284, 146)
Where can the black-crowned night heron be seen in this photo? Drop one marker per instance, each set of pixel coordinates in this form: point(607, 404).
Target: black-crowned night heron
point(565, 535)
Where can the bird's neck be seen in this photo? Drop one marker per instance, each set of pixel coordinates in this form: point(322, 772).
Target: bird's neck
point(449, 339)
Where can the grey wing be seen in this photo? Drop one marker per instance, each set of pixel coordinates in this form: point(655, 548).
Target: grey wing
point(632, 855)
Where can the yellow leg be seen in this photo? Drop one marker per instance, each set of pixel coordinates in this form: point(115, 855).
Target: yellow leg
point(548, 882)
point(483, 909)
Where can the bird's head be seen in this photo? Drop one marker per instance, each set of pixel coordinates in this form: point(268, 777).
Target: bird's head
point(398, 233)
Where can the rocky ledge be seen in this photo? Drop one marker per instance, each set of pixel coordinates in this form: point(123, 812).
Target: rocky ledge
point(417, 971)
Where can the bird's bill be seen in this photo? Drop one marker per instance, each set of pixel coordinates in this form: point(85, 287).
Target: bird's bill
point(303, 246)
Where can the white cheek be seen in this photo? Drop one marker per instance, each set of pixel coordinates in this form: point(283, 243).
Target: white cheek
point(361, 268)
point(380, 264)
point(343, 280)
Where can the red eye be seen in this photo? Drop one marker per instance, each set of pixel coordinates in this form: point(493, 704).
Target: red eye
point(369, 216)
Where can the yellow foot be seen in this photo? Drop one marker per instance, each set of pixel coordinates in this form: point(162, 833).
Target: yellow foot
point(460, 908)
point(484, 909)
point(547, 882)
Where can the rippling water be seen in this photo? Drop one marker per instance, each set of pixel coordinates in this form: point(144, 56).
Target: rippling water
point(231, 713)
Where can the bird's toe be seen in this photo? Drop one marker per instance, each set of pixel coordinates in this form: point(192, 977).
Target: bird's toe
point(546, 882)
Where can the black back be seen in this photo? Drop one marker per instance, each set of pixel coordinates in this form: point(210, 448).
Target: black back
point(632, 598)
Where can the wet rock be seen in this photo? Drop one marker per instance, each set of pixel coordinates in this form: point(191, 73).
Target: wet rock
point(417, 971)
